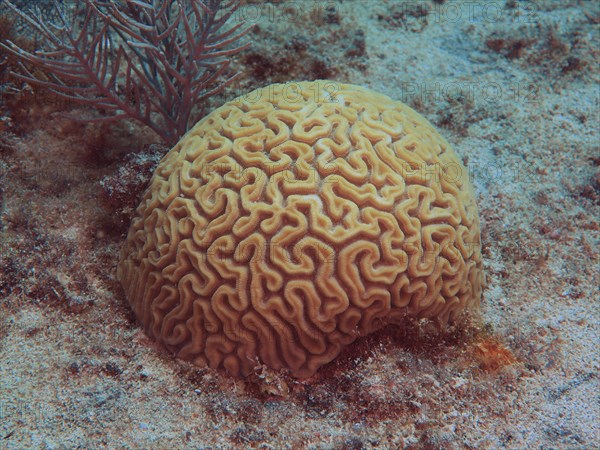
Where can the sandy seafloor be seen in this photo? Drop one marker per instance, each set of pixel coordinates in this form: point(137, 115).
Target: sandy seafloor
point(513, 85)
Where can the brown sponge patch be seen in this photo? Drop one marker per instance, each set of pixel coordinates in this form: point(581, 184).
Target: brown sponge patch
point(295, 219)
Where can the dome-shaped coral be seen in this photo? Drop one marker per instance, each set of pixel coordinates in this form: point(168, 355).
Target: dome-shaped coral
point(295, 219)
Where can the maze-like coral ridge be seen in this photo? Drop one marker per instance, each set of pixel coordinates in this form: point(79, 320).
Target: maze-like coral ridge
point(293, 220)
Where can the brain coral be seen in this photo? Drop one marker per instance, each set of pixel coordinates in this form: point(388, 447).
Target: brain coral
point(295, 219)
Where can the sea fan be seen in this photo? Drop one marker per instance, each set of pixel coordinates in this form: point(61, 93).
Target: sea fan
point(150, 60)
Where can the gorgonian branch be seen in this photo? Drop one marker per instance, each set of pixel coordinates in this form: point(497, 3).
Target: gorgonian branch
point(150, 60)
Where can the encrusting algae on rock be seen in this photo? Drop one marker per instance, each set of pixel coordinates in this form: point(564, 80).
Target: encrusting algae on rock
point(295, 219)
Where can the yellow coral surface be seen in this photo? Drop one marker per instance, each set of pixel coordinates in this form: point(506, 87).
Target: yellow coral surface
point(295, 219)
